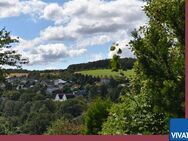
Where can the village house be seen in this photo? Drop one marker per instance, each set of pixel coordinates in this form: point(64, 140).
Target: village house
point(50, 89)
point(59, 82)
point(63, 97)
point(19, 87)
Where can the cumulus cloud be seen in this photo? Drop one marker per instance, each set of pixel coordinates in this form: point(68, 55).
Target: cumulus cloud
point(56, 33)
point(10, 8)
point(50, 53)
point(92, 41)
point(92, 22)
point(33, 7)
point(53, 12)
point(96, 57)
point(88, 19)
point(81, 23)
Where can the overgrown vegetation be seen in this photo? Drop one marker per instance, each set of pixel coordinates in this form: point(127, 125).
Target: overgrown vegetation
point(156, 93)
point(125, 63)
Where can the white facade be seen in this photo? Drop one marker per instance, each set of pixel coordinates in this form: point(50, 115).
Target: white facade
point(59, 81)
point(57, 98)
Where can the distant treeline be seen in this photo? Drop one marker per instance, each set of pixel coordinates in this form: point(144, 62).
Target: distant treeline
point(125, 63)
point(16, 71)
point(32, 71)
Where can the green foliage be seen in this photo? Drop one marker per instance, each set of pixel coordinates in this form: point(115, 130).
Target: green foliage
point(160, 67)
point(74, 107)
point(9, 108)
point(5, 126)
point(156, 92)
point(66, 89)
point(126, 63)
point(115, 63)
point(134, 116)
point(65, 127)
point(112, 48)
point(113, 93)
point(164, 12)
point(8, 57)
point(85, 79)
point(36, 123)
point(27, 112)
point(12, 95)
point(92, 92)
point(96, 115)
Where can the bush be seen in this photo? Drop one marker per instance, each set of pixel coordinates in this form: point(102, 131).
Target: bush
point(96, 114)
point(135, 116)
point(65, 126)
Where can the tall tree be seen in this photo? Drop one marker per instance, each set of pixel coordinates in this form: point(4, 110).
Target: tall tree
point(96, 115)
point(157, 89)
point(160, 55)
point(8, 56)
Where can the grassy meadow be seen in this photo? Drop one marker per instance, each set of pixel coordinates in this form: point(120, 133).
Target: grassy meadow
point(106, 72)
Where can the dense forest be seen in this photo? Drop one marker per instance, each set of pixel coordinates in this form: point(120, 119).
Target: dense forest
point(157, 91)
point(125, 63)
point(33, 111)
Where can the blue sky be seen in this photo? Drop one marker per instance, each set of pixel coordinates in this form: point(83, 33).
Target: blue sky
point(56, 33)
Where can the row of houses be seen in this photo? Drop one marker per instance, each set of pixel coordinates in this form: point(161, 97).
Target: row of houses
point(55, 88)
point(66, 96)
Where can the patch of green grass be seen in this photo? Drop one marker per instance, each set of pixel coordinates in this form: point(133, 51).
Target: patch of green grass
point(106, 73)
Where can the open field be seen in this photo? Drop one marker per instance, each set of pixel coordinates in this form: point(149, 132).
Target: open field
point(105, 72)
point(17, 74)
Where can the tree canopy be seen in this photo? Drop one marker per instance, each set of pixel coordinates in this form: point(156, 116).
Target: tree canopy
point(8, 56)
point(156, 92)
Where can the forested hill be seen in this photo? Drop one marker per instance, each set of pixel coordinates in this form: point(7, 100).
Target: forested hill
point(126, 63)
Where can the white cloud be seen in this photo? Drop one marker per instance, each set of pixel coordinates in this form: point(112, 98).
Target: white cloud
point(85, 20)
point(33, 7)
point(91, 41)
point(81, 23)
point(56, 33)
point(53, 12)
point(50, 53)
point(10, 8)
point(96, 57)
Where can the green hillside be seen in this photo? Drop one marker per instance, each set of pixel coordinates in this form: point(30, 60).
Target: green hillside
point(105, 72)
